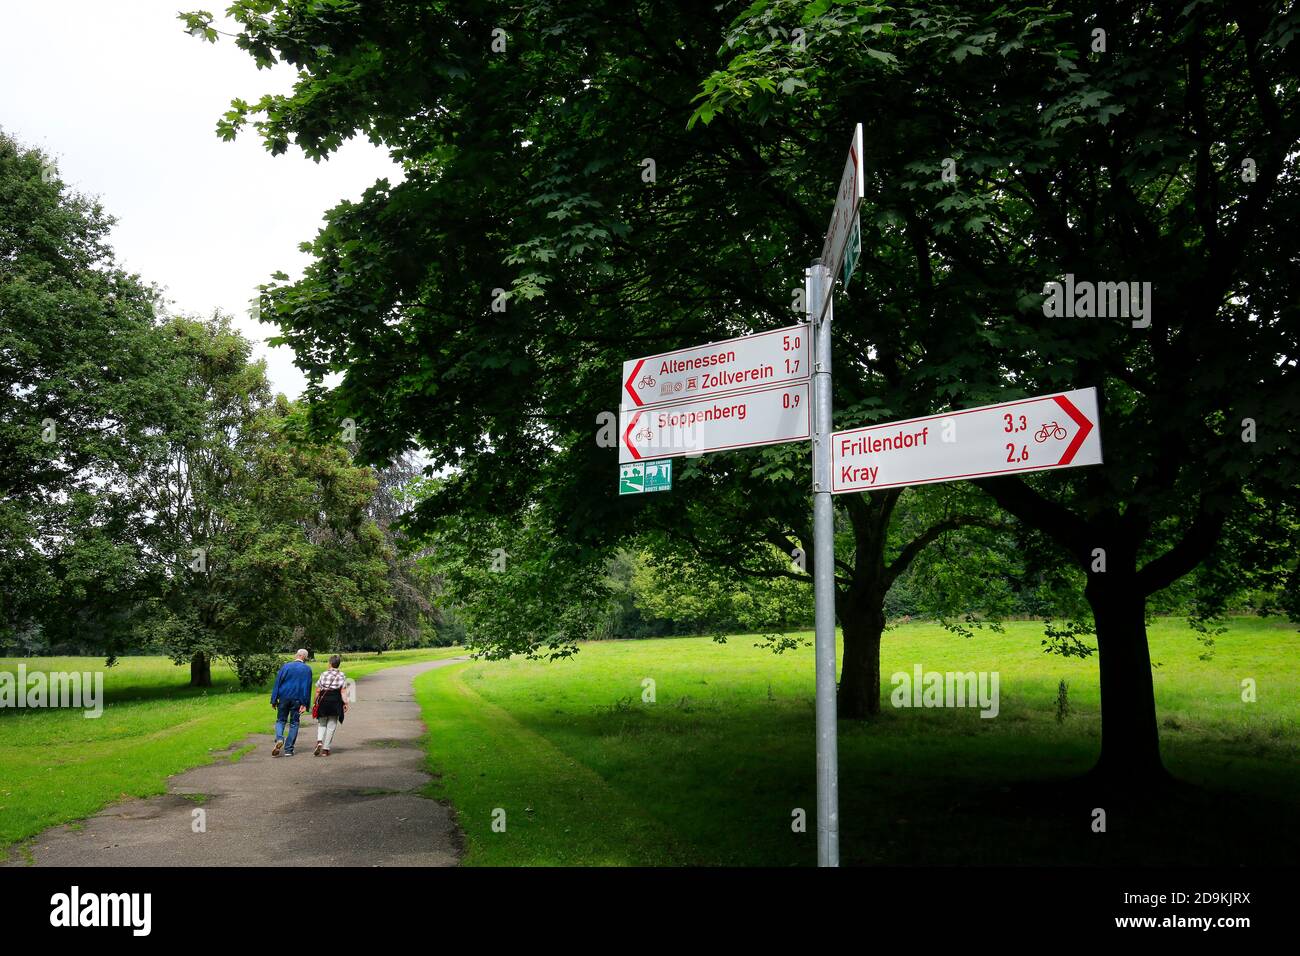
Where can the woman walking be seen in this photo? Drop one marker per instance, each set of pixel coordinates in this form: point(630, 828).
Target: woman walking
point(331, 705)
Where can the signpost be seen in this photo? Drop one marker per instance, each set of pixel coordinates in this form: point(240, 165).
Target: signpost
point(775, 387)
point(1029, 434)
point(845, 231)
point(719, 368)
point(843, 235)
point(760, 416)
point(819, 279)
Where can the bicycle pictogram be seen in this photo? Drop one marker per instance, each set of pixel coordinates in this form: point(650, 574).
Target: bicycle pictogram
point(1049, 429)
point(644, 435)
point(647, 381)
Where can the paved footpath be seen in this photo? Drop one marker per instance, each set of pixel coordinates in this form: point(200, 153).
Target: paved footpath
point(358, 807)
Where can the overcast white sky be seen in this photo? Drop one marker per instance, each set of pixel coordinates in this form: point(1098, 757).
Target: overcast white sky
point(127, 103)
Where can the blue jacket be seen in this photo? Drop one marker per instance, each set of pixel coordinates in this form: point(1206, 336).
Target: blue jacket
point(292, 683)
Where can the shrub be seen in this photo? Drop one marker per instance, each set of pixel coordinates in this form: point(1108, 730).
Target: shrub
point(256, 670)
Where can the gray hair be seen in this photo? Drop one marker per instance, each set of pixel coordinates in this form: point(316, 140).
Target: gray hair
point(335, 661)
point(302, 654)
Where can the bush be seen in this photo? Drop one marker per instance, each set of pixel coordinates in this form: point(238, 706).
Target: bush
point(256, 670)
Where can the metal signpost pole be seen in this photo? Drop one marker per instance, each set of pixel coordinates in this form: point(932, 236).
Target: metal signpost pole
point(818, 286)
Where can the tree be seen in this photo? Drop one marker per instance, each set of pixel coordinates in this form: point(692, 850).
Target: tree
point(531, 164)
point(85, 386)
point(1010, 148)
point(584, 218)
point(259, 534)
point(672, 582)
point(410, 613)
point(517, 587)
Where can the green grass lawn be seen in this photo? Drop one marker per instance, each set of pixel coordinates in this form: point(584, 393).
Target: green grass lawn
point(712, 771)
point(57, 765)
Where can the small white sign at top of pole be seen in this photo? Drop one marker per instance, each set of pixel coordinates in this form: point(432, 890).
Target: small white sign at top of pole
point(844, 217)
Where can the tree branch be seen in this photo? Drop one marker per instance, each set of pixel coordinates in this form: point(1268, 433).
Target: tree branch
point(1190, 551)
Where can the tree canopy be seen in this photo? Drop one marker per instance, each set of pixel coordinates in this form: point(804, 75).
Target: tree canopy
point(584, 185)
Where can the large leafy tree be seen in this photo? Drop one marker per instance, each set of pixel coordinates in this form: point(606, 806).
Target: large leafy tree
point(410, 612)
point(554, 165)
point(526, 171)
point(151, 488)
point(1126, 142)
point(261, 535)
point(85, 389)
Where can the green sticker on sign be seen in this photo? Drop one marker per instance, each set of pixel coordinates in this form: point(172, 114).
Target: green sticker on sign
point(852, 250)
point(659, 475)
point(639, 477)
point(631, 479)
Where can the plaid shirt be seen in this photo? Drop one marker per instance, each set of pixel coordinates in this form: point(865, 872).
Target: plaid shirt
point(332, 680)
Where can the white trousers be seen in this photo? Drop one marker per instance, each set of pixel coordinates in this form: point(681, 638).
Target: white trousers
point(325, 728)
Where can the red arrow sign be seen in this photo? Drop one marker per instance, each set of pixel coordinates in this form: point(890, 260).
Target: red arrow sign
point(1028, 434)
point(775, 357)
point(627, 384)
point(1081, 420)
point(760, 416)
point(627, 437)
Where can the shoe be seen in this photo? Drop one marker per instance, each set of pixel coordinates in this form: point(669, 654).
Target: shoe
point(275, 751)
point(288, 753)
point(326, 751)
point(317, 751)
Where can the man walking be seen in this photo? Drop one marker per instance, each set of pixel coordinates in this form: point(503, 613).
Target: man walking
point(290, 696)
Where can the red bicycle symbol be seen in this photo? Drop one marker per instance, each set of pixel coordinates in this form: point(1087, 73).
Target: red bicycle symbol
point(1049, 429)
point(647, 381)
point(644, 435)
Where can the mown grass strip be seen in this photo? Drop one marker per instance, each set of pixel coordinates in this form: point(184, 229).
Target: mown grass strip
point(556, 811)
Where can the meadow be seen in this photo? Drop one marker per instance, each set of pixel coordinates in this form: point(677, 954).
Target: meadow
point(715, 769)
point(57, 765)
point(685, 751)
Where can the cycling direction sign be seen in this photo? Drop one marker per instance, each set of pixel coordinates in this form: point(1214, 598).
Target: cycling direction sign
point(844, 231)
point(1030, 434)
point(718, 368)
point(760, 416)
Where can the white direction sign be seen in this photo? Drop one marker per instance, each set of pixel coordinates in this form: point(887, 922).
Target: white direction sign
point(768, 358)
point(761, 416)
point(1031, 434)
point(844, 217)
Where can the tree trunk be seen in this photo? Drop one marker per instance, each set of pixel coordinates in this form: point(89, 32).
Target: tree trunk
point(201, 670)
point(1130, 737)
point(861, 607)
point(859, 695)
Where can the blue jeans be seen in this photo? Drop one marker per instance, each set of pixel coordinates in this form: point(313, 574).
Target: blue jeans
point(287, 708)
